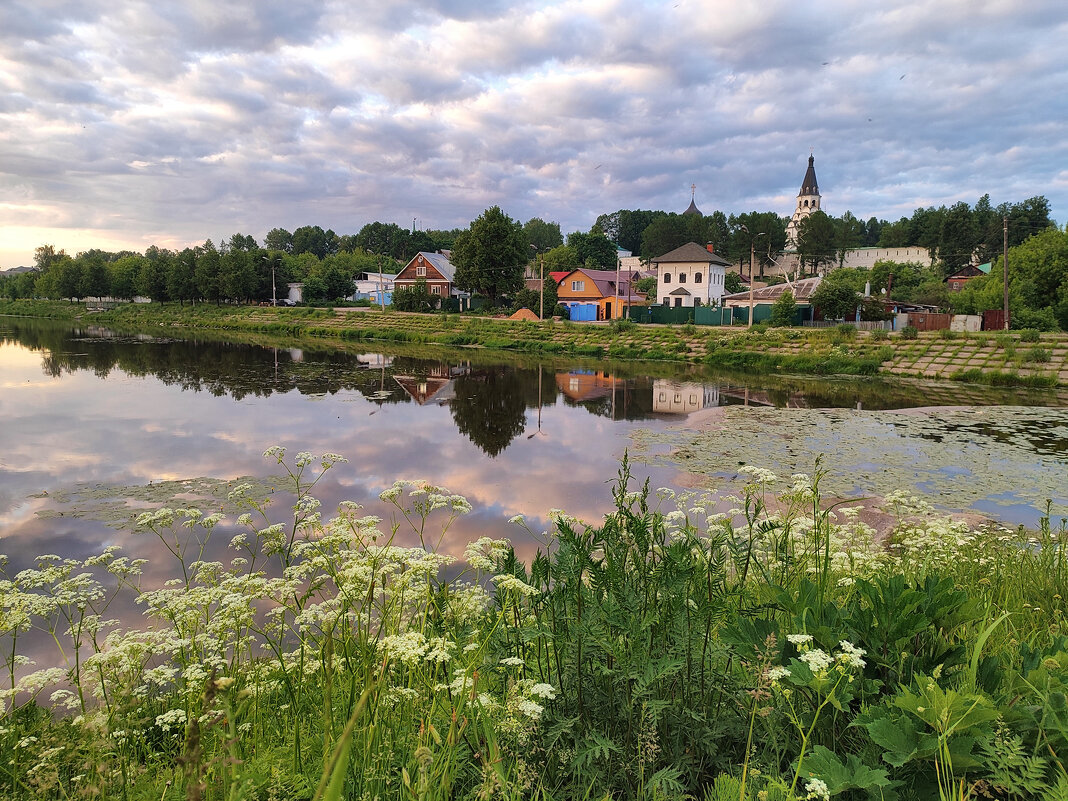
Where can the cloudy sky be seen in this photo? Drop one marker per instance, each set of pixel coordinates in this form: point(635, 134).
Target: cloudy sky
point(132, 123)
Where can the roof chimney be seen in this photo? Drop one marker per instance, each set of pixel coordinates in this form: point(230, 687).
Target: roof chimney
point(710, 247)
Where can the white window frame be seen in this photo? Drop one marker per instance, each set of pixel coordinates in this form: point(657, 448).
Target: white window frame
point(578, 286)
point(420, 271)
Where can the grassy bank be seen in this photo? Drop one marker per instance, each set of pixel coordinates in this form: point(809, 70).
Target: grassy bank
point(997, 359)
point(663, 652)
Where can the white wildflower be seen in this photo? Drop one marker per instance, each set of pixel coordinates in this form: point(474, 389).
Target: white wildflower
point(817, 660)
point(546, 691)
point(530, 709)
point(506, 581)
point(817, 788)
point(799, 639)
point(851, 655)
point(776, 673)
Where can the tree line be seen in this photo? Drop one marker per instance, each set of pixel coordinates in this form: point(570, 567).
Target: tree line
point(493, 254)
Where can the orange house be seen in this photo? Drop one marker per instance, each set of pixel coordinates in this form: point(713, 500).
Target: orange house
point(584, 290)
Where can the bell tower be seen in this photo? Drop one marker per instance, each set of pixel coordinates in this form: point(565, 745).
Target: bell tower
point(808, 201)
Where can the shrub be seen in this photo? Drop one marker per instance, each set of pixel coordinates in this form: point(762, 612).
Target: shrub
point(910, 332)
point(947, 333)
point(783, 310)
point(880, 334)
point(1029, 335)
point(1038, 355)
point(847, 330)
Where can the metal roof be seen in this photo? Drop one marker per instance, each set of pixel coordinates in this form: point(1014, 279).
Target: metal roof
point(441, 264)
point(809, 185)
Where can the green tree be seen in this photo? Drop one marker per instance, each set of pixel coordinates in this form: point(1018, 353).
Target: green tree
point(595, 248)
point(872, 231)
point(387, 239)
point(666, 233)
point(957, 238)
point(206, 272)
point(647, 286)
point(313, 239)
point(732, 283)
point(765, 231)
point(491, 256)
point(542, 235)
point(45, 256)
point(124, 273)
point(848, 234)
point(1038, 283)
point(625, 227)
point(783, 310)
point(95, 278)
point(152, 278)
point(836, 298)
point(561, 258)
point(816, 241)
point(895, 235)
point(279, 239)
point(68, 274)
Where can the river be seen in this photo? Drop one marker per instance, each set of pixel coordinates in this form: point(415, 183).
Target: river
point(99, 426)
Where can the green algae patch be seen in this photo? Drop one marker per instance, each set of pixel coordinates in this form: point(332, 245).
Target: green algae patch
point(118, 505)
point(1002, 461)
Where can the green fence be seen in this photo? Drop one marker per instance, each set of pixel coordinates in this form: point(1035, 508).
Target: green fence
point(708, 315)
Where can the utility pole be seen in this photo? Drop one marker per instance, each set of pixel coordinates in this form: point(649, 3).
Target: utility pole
point(1005, 269)
point(541, 300)
point(381, 282)
point(274, 294)
point(752, 254)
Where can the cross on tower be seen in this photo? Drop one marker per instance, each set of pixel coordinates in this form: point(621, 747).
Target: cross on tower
point(693, 191)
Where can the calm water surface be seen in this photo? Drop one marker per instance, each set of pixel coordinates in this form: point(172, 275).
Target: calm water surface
point(90, 417)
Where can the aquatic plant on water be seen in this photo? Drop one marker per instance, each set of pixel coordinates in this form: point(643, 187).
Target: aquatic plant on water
point(675, 649)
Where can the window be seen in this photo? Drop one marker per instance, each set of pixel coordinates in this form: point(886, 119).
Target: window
point(682, 278)
point(678, 302)
point(667, 278)
point(667, 301)
point(435, 290)
point(578, 286)
point(697, 278)
point(420, 270)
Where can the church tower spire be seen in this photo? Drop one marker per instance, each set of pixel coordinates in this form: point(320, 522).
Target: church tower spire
point(808, 201)
point(692, 208)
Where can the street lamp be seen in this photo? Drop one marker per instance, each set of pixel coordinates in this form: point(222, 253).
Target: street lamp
point(752, 253)
point(274, 295)
point(541, 285)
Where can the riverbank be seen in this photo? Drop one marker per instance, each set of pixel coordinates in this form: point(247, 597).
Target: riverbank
point(1011, 358)
point(660, 652)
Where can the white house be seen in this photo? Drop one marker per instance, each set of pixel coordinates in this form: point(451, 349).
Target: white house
point(690, 276)
point(374, 286)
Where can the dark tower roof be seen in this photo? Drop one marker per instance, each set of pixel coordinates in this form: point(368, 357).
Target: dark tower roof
point(692, 208)
point(809, 185)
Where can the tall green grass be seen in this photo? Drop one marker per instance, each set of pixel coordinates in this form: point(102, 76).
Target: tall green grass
point(673, 650)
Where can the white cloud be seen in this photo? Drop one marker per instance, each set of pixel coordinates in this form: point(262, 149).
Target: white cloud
point(194, 119)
